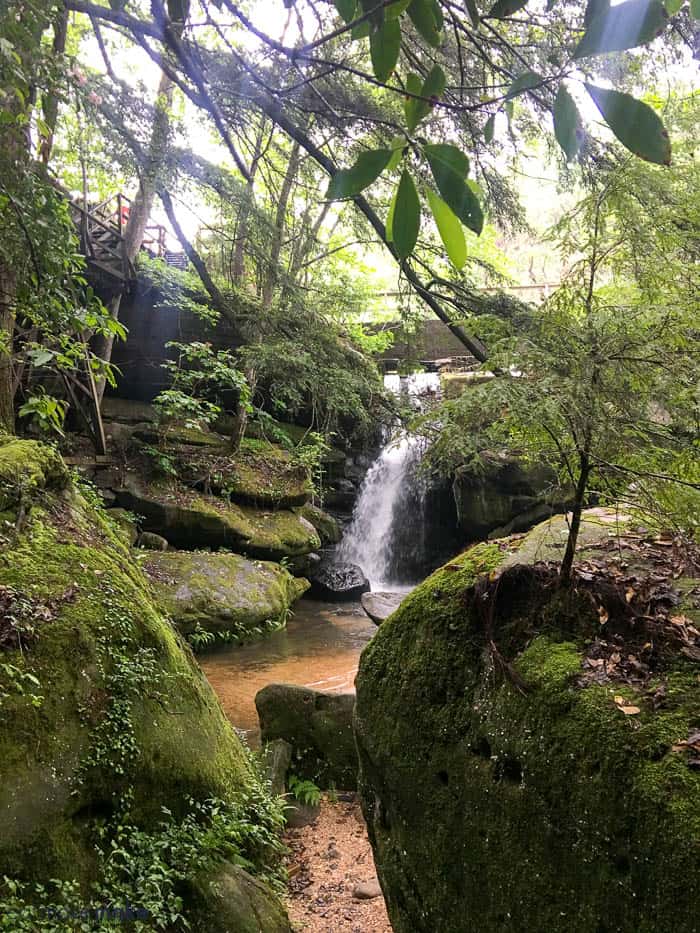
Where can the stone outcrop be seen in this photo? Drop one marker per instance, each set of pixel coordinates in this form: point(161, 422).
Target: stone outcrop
point(221, 592)
point(189, 520)
point(517, 771)
point(106, 718)
point(379, 606)
point(505, 497)
point(336, 581)
point(318, 726)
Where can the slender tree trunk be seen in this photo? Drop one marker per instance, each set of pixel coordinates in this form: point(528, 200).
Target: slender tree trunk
point(579, 499)
point(243, 224)
point(280, 224)
point(60, 34)
point(7, 327)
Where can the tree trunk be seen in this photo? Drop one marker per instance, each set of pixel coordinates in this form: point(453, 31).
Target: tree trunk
point(7, 327)
point(243, 222)
point(280, 224)
point(579, 499)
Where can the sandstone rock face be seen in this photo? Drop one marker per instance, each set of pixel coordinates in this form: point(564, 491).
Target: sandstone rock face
point(220, 591)
point(190, 520)
point(507, 497)
point(379, 606)
point(231, 901)
point(318, 726)
point(523, 788)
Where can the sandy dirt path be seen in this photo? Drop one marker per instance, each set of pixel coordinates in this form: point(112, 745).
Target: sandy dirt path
point(328, 859)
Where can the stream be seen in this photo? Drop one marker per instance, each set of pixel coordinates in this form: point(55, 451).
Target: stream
point(319, 648)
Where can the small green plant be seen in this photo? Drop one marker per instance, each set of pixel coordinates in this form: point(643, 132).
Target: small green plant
point(48, 412)
point(162, 463)
point(200, 638)
point(19, 682)
point(304, 791)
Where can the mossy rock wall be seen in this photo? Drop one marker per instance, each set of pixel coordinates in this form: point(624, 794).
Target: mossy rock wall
point(221, 592)
point(105, 711)
point(191, 520)
point(490, 809)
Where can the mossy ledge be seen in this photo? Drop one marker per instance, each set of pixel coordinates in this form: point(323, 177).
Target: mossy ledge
point(107, 722)
point(493, 808)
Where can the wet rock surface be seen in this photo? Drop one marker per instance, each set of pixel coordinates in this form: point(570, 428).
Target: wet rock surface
point(379, 606)
point(338, 581)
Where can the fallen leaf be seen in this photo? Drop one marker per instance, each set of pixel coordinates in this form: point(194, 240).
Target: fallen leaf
point(630, 710)
point(603, 615)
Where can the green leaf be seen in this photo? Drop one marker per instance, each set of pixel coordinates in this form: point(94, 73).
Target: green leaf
point(456, 192)
point(348, 182)
point(490, 128)
point(523, 82)
point(390, 218)
point(346, 8)
point(450, 229)
point(432, 88)
point(695, 9)
point(397, 152)
point(473, 11)
point(635, 124)
point(567, 123)
point(453, 157)
point(624, 26)
point(423, 17)
point(377, 12)
point(673, 6)
point(384, 47)
point(397, 9)
point(406, 220)
point(361, 31)
point(503, 8)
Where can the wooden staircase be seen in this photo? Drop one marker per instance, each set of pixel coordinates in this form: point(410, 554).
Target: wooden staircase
point(101, 228)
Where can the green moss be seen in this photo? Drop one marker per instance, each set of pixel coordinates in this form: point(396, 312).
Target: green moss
point(221, 592)
point(27, 467)
point(493, 808)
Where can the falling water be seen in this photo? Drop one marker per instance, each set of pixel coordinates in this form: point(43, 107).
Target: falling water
point(386, 536)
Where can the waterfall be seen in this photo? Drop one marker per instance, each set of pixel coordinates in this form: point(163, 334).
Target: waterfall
point(386, 536)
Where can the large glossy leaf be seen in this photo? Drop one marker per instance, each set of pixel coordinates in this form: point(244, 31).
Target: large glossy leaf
point(503, 8)
point(523, 82)
point(456, 192)
point(424, 18)
point(635, 124)
point(376, 11)
point(450, 229)
point(406, 218)
point(384, 47)
point(567, 123)
point(390, 219)
point(450, 155)
point(624, 26)
point(346, 8)
point(348, 182)
point(398, 147)
point(397, 9)
point(431, 89)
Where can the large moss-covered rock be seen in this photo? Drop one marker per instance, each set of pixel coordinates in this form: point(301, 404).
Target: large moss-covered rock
point(25, 469)
point(317, 725)
point(511, 776)
point(231, 901)
point(327, 527)
point(106, 718)
point(190, 520)
point(221, 592)
point(505, 497)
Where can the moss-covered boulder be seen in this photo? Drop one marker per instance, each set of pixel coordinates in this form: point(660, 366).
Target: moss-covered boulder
point(231, 901)
point(529, 756)
point(26, 468)
point(221, 592)
point(109, 730)
point(190, 520)
point(317, 725)
point(327, 527)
